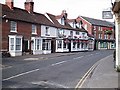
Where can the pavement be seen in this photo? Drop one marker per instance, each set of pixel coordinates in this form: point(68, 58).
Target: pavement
point(103, 76)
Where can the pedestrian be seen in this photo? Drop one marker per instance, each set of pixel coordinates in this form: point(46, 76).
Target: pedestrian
point(114, 58)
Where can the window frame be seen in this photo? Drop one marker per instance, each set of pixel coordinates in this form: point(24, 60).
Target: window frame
point(34, 27)
point(13, 26)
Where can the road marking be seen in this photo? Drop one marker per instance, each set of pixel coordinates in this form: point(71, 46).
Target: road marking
point(58, 63)
point(78, 57)
point(20, 74)
point(80, 83)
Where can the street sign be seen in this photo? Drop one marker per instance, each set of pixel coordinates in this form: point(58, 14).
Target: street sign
point(107, 15)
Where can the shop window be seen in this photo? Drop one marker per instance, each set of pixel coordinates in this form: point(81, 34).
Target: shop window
point(78, 45)
point(74, 44)
point(37, 44)
point(59, 44)
point(82, 45)
point(46, 45)
point(64, 45)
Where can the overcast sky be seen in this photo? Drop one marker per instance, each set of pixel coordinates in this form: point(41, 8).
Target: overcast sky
point(74, 8)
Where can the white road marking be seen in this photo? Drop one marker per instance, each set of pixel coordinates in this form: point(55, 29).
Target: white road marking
point(20, 74)
point(58, 63)
point(78, 57)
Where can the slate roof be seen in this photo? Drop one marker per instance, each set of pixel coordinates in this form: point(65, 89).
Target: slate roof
point(98, 22)
point(23, 15)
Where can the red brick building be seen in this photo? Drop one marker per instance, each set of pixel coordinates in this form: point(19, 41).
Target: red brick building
point(19, 26)
point(103, 32)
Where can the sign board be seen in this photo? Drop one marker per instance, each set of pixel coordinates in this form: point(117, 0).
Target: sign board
point(107, 15)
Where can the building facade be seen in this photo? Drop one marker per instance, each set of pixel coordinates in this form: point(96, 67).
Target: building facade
point(27, 32)
point(103, 32)
point(21, 30)
point(116, 11)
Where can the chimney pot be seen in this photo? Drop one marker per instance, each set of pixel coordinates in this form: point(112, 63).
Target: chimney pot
point(29, 6)
point(10, 3)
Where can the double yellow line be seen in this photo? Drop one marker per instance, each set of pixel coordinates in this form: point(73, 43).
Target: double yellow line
point(81, 82)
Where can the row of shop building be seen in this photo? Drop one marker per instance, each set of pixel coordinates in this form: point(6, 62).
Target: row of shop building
point(27, 32)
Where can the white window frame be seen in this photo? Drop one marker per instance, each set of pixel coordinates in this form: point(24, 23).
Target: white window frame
point(59, 44)
point(18, 44)
point(34, 29)
point(13, 26)
point(47, 31)
point(14, 37)
point(46, 44)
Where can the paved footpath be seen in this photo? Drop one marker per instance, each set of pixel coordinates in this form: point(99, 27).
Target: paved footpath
point(103, 76)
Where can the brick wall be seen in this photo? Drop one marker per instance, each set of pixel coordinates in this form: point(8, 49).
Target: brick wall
point(23, 28)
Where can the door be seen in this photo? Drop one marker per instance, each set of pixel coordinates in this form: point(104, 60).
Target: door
point(69, 46)
point(25, 46)
point(53, 45)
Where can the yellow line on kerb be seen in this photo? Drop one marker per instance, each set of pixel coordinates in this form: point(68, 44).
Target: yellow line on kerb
point(80, 83)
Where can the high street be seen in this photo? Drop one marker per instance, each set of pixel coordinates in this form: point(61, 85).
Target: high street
point(63, 71)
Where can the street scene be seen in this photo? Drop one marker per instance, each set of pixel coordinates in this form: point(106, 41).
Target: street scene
point(53, 71)
point(64, 44)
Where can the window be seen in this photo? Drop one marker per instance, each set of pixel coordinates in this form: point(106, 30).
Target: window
point(71, 33)
point(34, 28)
point(95, 33)
point(60, 44)
point(37, 44)
point(78, 45)
point(83, 34)
point(46, 45)
point(13, 26)
point(18, 43)
point(106, 36)
point(82, 45)
point(62, 21)
point(77, 32)
point(100, 36)
point(64, 45)
point(11, 43)
point(74, 44)
point(99, 28)
point(47, 33)
point(15, 43)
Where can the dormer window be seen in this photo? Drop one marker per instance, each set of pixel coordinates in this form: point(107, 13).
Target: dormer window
point(34, 29)
point(62, 21)
point(13, 26)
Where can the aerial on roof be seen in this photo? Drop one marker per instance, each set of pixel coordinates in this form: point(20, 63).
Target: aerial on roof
point(23, 15)
point(98, 22)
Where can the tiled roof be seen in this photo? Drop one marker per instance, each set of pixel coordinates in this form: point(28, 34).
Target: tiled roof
point(57, 24)
point(98, 22)
point(23, 15)
point(67, 26)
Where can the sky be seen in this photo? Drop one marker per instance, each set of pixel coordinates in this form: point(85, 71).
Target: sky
point(74, 8)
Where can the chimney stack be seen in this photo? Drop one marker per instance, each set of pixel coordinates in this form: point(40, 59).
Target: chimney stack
point(29, 6)
point(10, 3)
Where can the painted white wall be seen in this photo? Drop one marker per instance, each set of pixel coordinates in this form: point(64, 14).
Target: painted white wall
point(52, 31)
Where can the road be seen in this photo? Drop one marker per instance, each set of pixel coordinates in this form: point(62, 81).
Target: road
point(58, 72)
